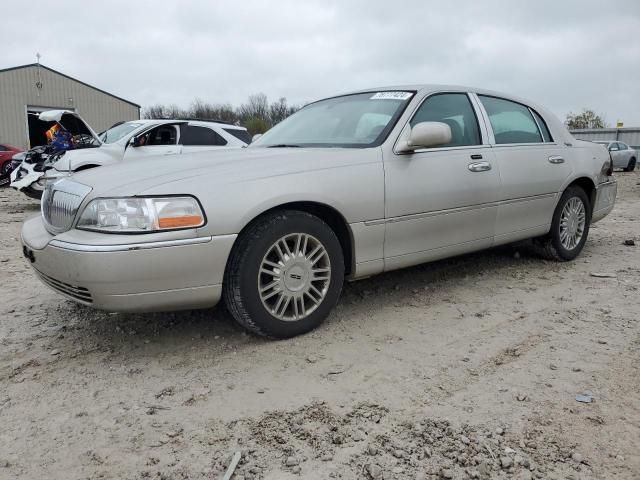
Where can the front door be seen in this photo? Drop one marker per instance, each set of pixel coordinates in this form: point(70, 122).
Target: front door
point(441, 201)
point(160, 140)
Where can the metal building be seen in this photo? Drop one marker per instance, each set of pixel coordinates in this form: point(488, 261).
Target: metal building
point(628, 135)
point(27, 90)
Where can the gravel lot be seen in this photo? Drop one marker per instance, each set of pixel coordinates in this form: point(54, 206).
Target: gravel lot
point(466, 368)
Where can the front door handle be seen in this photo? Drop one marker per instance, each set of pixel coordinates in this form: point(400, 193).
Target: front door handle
point(556, 159)
point(479, 166)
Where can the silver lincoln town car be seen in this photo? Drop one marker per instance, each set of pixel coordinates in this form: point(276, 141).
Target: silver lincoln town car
point(348, 187)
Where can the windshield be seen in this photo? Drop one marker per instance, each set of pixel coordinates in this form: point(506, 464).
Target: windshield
point(356, 121)
point(119, 131)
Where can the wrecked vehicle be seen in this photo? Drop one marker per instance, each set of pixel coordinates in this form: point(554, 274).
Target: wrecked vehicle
point(347, 187)
point(68, 131)
point(140, 139)
point(7, 154)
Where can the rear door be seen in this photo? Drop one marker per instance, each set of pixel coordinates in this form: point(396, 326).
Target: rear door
point(441, 201)
point(198, 138)
point(533, 168)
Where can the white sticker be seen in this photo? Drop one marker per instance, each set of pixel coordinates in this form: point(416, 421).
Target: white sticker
point(391, 96)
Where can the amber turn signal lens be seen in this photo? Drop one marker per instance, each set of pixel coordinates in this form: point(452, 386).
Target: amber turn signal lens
point(180, 222)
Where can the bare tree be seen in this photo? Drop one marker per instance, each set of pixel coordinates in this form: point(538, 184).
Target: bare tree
point(256, 107)
point(279, 110)
point(257, 115)
point(209, 111)
point(586, 119)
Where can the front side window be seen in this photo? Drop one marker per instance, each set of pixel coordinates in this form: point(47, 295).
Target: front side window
point(455, 110)
point(162, 135)
point(200, 136)
point(354, 121)
point(622, 146)
point(511, 122)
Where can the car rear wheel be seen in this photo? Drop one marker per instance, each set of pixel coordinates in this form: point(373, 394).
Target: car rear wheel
point(631, 166)
point(284, 275)
point(569, 227)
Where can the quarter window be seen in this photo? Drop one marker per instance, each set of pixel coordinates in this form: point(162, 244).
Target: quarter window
point(239, 134)
point(511, 122)
point(546, 135)
point(455, 110)
point(192, 135)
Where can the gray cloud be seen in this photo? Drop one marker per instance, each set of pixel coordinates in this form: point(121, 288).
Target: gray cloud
point(563, 54)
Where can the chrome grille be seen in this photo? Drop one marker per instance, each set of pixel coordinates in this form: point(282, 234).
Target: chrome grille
point(60, 202)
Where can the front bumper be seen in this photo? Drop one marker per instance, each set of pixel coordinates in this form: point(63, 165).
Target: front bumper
point(25, 176)
point(163, 275)
point(605, 200)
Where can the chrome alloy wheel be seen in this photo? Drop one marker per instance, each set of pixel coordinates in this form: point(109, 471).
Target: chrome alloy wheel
point(294, 276)
point(572, 223)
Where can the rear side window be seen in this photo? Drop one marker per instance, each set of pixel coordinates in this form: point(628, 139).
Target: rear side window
point(511, 122)
point(191, 135)
point(242, 135)
point(2, 148)
point(546, 135)
point(455, 110)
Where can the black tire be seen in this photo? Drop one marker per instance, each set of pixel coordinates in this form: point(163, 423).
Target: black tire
point(240, 288)
point(631, 166)
point(550, 246)
point(32, 193)
point(6, 168)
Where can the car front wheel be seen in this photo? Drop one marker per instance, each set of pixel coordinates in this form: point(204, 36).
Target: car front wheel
point(284, 275)
point(569, 226)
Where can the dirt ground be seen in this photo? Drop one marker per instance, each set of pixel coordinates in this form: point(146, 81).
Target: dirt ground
point(465, 368)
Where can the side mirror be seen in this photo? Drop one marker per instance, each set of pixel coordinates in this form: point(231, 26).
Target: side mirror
point(255, 137)
point(136, 141)
point(425, 135)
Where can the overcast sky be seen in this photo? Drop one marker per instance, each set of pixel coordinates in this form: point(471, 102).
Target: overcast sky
point(563, 54)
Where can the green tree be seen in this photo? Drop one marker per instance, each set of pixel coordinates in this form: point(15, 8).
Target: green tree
point(586, 119)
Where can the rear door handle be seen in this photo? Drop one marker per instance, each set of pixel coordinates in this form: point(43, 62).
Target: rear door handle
point(479, 166)
point(556, 159)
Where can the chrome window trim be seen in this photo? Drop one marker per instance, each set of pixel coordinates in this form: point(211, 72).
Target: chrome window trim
point(483, 138)
point(79, 247)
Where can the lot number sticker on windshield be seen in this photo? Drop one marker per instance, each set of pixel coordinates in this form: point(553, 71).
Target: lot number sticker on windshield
point(391, 96)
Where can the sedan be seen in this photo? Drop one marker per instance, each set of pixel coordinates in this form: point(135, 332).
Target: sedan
point(622, 155)
point(348, 187)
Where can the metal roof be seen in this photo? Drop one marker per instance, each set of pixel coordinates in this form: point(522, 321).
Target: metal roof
point(70, 78)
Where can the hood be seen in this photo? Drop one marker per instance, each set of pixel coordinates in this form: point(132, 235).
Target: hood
point(71, 121)
point(104, 154)
point(215, 167)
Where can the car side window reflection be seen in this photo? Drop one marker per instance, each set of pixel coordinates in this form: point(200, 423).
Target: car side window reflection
point(455, 110)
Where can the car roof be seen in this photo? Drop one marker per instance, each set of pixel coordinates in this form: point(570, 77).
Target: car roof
point(435, 87)
point(162, 121)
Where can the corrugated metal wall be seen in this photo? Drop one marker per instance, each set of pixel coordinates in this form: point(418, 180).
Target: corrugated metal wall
point(629, 135)
point(18, 90)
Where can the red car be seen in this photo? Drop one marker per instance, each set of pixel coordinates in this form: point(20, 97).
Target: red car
point(6, 152)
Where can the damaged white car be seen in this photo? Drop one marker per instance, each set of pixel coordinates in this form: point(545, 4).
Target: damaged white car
point(129, 141)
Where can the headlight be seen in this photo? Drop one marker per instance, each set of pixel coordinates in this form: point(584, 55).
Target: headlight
point(140, 214)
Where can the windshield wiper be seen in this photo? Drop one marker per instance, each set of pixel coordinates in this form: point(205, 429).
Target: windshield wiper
point(284, 145)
